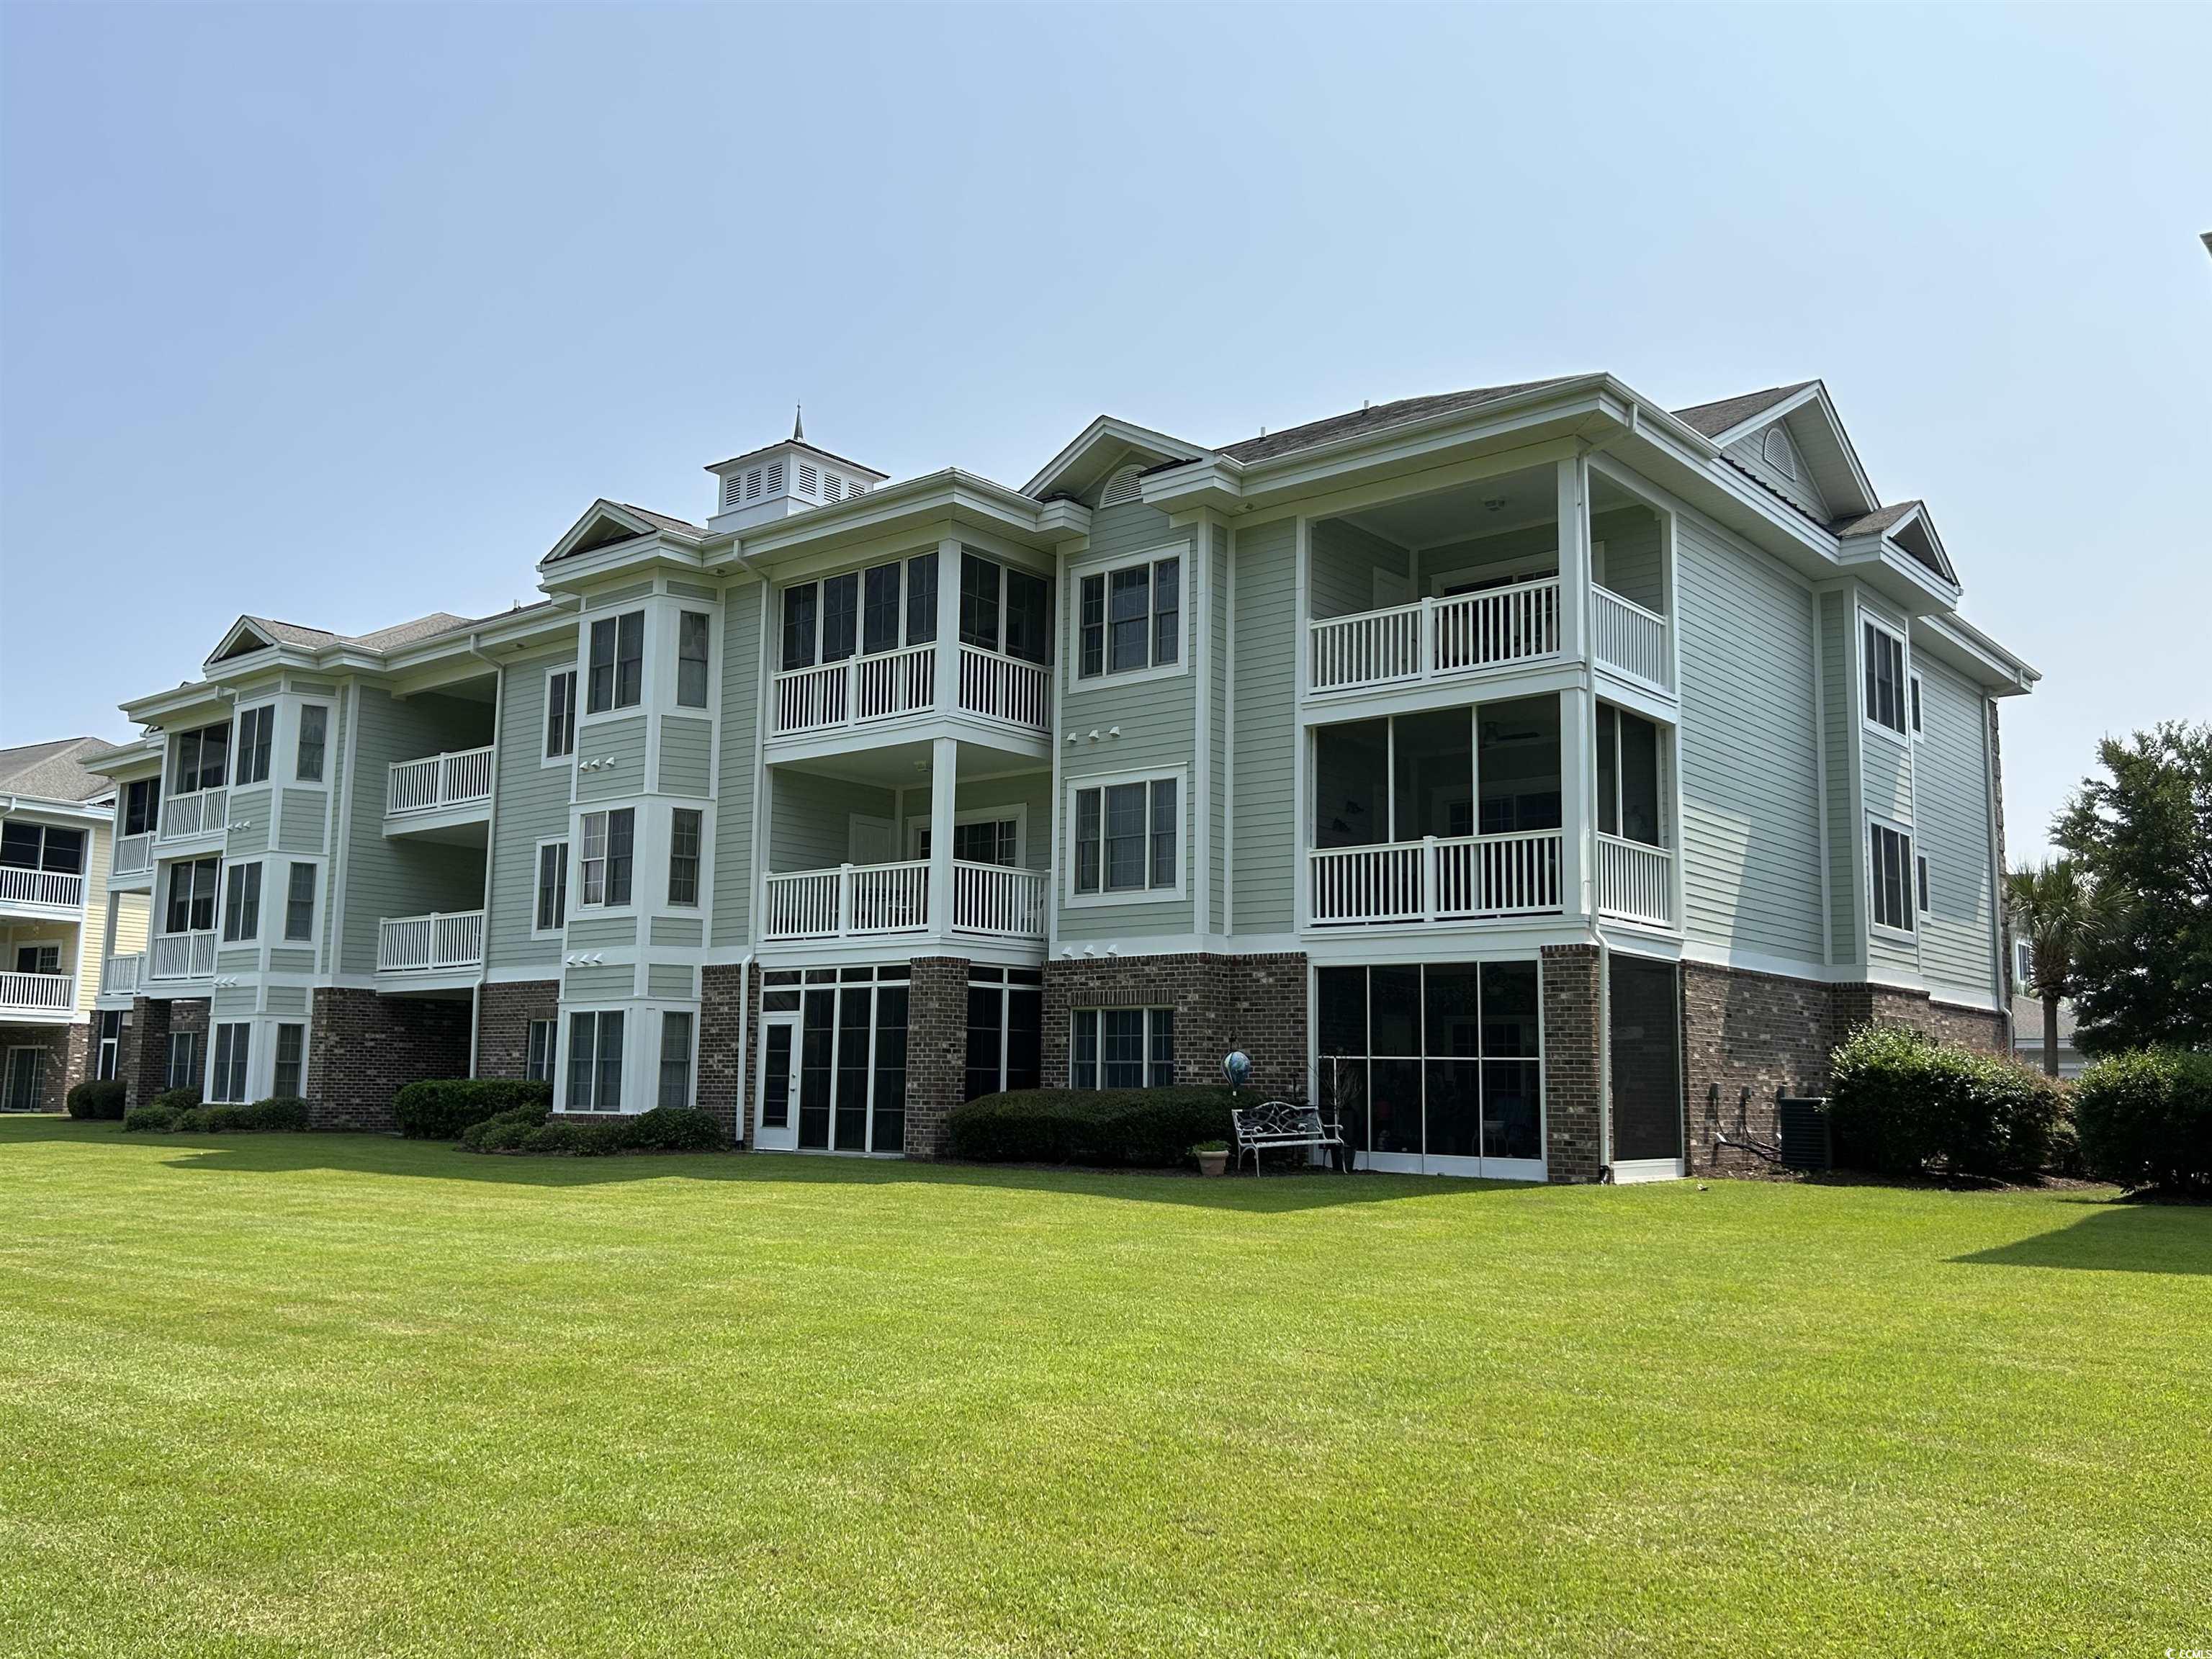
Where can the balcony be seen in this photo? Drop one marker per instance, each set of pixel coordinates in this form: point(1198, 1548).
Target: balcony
point(189, 817)
point(438, 790)
point(1462, 879)
point(36, 995)
point(443, 942)
point(133, 856)
point(888, 686)
point(1436, 639)
point(122, 976)
point(863, 901)
point(181, 956)
point(41, 889)
point(1629, 639)
point(1635, 881)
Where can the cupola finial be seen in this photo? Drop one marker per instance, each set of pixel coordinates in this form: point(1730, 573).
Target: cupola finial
point(798, 423)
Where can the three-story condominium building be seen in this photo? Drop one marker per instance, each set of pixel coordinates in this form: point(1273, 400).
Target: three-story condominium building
point(54, 856)
point(1542, 777)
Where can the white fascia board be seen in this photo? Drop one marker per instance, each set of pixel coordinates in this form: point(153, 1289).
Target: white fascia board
point(636, 523)
point(1896, 574)
point(1824, 408)
point(1767, 417)
point(168, 709)
point(1951, 638)
point(1106, 428)
point(100, 809)
point(932, 498)
point(128, 762)
point(640, 553)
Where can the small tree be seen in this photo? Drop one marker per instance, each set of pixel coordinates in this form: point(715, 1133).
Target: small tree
point(2050, 906)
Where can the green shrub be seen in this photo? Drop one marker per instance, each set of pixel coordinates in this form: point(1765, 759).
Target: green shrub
point(532, 1129)
point(179, 1100)
point(576, 1137)
point(2145, 1120)
point(97, 1099)
point(1903, 1103)
point(1150, 1128)
point(441, 1108)
point(506, 1132)
point(673, 1129)
point(151, 1116)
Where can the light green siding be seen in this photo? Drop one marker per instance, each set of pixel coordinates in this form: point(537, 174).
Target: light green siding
point(534, 806)
point(1748, 747)
point(810, 817)
point(686, 755)
point(587, 932)
point(306, 815)
point(669, 980)
point(406, 876)
point(1951, 770)
point(232, 1002)
point(678, 933)
point(249, 824)
point(286, 999)
point(1216, 803)
point(1345, 560)
point(1839, 708)
point(600, 984)
point(291, 962)
point(1031, 790)
point(243, 959)
point(733, 815)
point(613, 596)
point(1536, 543)
point(1266, 765)
point(1633, 555)
point(619, 747)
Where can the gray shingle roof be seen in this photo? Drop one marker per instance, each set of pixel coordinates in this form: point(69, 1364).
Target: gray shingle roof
point(383, 639)
point(684, 526)
point(1713, 419)
point(1874, 522)
point(1376, 417)
point(50, 771)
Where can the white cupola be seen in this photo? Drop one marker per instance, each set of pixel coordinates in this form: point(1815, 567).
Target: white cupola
point(792, 476)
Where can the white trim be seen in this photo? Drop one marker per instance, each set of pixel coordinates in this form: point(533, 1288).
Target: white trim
point(575, 670)
point(1867, 619)
point(1103, 565)
point(536, 874)
point(913, 823)
point(1639, 1170)
point(1102, 781)
point(1882, 929)
point(1536, 564)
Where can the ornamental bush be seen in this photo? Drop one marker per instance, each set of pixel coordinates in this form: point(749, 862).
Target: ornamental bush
point(278, 1112)
point(533, 1129)
point(150, 1116)
point(98, 1099)
point(2145, 1120)
point(1903, 1103)
point(179, 1100)
point(506, 1132)
point(1146, 1128)
point(441, 1108)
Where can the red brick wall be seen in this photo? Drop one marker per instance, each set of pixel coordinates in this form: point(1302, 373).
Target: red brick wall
point(725, 1073)
point(143, 1062)
point(936, 1051)
point(363, 1048)
point(1572, 1144)
point(503, 1018)
point(1254, 1003)
point(66, 1049)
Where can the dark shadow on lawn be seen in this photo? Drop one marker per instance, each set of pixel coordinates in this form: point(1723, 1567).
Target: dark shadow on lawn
point(2119, 1239)
point(1275, 1193)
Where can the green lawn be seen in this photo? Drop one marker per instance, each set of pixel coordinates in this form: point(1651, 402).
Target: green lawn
point(341, 1394)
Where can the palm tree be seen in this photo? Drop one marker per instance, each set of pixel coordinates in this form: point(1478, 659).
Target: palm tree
point(2051, 906)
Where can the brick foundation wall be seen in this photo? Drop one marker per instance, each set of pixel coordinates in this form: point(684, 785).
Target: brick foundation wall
point(936, 1050)
point(726, 993)
point(1572, 1145)
point(1254, 1003)
point(364, 1047)
point(143, 1060)
point(67, 1049)
point(1858, 1005)
point(503, 1016)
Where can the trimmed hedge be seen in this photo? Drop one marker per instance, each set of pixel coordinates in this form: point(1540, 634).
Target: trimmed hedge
point(276, 1113)
point(1903, 1103)
point(179, 1100)
point(98, 1099)
point(534, 1129)
point(2145, 1120)
point(441, 1108)
point(1148, 1128)
point(151, 1115)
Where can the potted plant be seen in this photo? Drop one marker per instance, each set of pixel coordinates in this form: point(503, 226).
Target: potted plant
point(1212, 1156)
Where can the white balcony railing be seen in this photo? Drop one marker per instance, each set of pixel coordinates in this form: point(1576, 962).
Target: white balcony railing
point(1003, 688)
point(119, 976)
point(888, 683)
point(1465, 878)
point(182, 956)
point(997, 898)
point(1436, 638)
point(1634, 883)
point(438, 782)
point(38, 994)
point(203, 813)
point(1627, 636)
point(48, 887)
point(852, 899)
point(134, 854)
point(442, 942)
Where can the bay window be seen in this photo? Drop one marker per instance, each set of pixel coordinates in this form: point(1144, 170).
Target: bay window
point(595, 1062)
point(608, 840)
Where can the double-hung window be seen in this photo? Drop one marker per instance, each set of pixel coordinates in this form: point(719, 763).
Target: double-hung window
point(1890, 873)
point(552, 887)
point(291, 1062)
point(608, 840)
point(227, 1081)
point(241, 904)
point(538, 1057)
point(691, 631)
point(1885, 689)
point(683, 855)
point(618, 663)
point(1121, 1048)
point(300, 903)
point(560, 713)
point(184, 1052)
point(314, 736)
point(191, 897)
point(595, 1062)
point(675, 1059)
point(1125, 836)
point(257, 728)
point(1129, 618)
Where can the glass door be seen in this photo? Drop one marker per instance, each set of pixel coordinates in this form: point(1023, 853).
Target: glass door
point(27, 1069)
point(776, 1126)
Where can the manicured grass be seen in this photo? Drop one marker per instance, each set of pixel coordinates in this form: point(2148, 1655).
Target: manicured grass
point(340, 1396)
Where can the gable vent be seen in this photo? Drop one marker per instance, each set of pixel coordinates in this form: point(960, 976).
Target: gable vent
point(1774, 449)
point(1125, 485)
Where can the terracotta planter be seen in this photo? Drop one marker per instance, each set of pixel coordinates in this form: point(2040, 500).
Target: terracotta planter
point(1213, 1163)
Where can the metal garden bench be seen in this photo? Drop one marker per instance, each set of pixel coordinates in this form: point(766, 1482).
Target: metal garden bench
point(1280, 1123)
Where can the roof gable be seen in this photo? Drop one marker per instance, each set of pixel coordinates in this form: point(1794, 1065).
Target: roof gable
point(1831, 481)
point(1375, 417)
point(1099, 450)
point(606, 523)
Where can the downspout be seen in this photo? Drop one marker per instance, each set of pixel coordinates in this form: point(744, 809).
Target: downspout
point(491, 840)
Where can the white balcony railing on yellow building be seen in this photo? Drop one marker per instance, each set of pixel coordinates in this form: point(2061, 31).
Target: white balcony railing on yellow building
point(53, 890)
point(1635, 881)
point(205, 812)
point(182, 956)
point(442, 942)
point(437, 783)
point(1464, 877)
point(37, 993)
point(887, 684)
point(120, 976)
point(862, 900)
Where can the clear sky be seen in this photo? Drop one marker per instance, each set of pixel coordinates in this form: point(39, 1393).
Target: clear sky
point(343, 314)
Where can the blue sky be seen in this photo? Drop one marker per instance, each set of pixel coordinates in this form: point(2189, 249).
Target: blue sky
point(343, 315)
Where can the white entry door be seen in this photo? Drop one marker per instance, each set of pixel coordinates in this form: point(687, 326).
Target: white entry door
point(775, 1120)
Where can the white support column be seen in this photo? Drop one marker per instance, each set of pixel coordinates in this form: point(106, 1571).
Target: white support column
point(1578, 799)
point(944, 780)
point(948, 627)
point(1574, 557)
